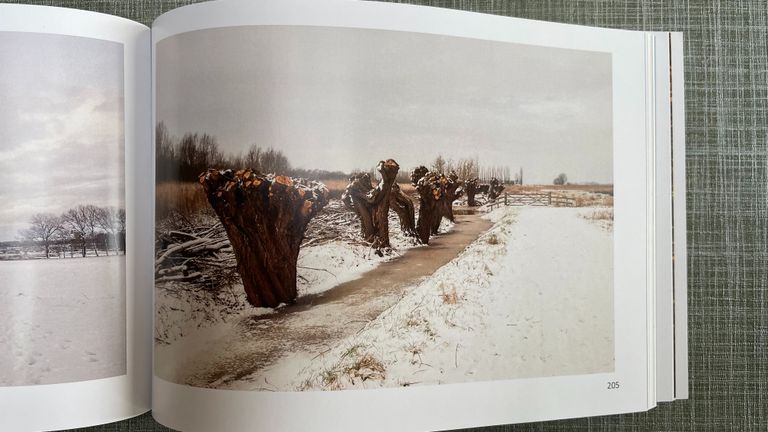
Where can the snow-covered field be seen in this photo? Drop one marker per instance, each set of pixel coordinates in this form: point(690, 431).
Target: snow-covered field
point(532, 297)
point(62, 320)
point(182, 309)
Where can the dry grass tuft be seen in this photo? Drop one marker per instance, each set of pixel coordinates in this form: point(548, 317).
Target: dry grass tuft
point(415, 351)
point(367, 367)
point(493, 239)
point(451, 297)
point(593, 200)
point(602, 217)
point(604, 214)
point(330, 378)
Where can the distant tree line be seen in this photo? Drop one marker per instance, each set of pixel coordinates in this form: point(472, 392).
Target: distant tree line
point(468, 168)
point(77, 230)
point(185, 158)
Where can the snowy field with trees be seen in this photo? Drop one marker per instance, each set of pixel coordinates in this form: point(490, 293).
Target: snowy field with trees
point(62, 320)
point(482, 301)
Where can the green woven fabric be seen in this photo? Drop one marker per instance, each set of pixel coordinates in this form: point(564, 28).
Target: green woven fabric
point(726, 90)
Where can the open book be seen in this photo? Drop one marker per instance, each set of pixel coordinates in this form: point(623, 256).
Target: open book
point(337, 215)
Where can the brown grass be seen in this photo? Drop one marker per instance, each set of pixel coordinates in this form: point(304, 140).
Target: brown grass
point(451, 297)
point(337, 187)
point(184, 198)
point(606, 215)
point(603, 189)
point(581, 195)
point(188, 198)
point(367, 367)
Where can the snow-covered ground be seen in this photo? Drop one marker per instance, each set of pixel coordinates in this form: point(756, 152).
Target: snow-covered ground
point(532, 297)
point(62, 320)
point(184, 308)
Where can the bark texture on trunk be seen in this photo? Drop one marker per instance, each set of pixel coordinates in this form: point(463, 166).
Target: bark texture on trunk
point(470, 187)
point(265, 217)
point(453, 191)
point(371, 204)
point(437, 193)
point(406, 212)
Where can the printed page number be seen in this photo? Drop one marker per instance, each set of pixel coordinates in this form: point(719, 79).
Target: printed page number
point(613, 385)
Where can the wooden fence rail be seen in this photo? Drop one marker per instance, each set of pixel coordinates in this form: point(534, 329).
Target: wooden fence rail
point(545, 199)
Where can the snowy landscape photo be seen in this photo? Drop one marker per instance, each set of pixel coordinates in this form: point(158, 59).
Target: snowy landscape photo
point(343, 208)
point(62, 223)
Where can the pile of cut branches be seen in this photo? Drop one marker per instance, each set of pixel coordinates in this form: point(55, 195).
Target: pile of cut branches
point(194, 250)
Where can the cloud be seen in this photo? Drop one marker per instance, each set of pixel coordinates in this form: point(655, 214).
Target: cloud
point(62, 140)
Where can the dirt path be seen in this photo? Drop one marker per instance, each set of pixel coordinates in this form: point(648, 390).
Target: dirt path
point(316, 322)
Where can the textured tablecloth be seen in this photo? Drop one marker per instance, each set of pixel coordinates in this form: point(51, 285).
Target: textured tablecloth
point(726, 90)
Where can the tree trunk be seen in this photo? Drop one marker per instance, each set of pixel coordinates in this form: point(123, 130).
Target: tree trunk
point(403, 206)
point(470, 187)
point(46, 251)
point(453, 191)
point(356, 199)
point(495, 188)
point(371, 204)
point(265, 218)
point(430, 190)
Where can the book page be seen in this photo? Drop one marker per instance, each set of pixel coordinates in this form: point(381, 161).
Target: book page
point(398, 217)
point(671, 281)
point(74, 336)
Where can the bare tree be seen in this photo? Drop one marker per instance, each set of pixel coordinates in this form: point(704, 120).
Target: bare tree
point(120, 219)
point(43, 228)
point(107, 220)
point(92, 217)
point(76, 221)
point(466, 169)
point(252, 158)
point(372, 204)
point(439, 165)
point(560, 179)
point(273, 161)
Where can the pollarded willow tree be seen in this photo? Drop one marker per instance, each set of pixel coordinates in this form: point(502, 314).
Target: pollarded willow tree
point(403, 206)
point(453, 191)
point(495, 188)
point(265, 217)
point(371, 204)
point(437, 193)
point(470, 188)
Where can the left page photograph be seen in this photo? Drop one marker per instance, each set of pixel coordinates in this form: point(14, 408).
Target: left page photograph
point(73, 308)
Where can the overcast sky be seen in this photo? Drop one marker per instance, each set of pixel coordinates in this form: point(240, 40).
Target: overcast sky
point(61, 125)
point(342, 99)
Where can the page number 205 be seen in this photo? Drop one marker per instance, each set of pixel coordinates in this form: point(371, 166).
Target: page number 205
point(613, 385)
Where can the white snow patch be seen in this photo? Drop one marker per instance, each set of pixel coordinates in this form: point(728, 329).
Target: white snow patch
point(182, 308)
point(62, 320)
point(531, 297)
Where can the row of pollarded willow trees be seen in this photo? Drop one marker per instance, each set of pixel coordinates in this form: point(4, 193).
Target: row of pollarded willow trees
point(79, 228)
point(266, 216)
